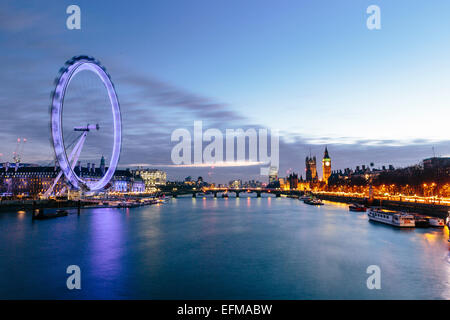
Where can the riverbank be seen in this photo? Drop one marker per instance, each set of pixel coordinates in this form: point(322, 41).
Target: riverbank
point(434, 210)
point(28, 205)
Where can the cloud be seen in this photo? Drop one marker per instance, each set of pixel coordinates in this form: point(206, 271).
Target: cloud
point(151, 107)
point(14, 21)
point(221, 164)
point(172, 98)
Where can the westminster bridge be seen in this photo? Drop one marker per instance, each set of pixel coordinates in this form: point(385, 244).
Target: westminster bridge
point(236, 191)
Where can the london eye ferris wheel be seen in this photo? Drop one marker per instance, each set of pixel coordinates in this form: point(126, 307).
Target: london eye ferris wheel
point(67, 162)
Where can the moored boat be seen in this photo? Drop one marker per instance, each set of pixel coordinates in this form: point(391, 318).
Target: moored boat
point(39, 214)
point(427, 221)
point(357, 207)
point(128, 204)
point(314, 202)
point(421, 221)
point(393, 218)
point(436, 222)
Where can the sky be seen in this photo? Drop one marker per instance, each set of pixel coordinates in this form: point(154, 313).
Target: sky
point(311, 69)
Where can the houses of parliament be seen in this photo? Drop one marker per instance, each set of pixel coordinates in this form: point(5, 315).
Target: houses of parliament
point(294, 182)
point(311, 168)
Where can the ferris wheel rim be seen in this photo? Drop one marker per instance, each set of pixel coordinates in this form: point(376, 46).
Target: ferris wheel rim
point(72, 67)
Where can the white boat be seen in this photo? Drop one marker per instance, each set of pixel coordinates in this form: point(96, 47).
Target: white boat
point(393, 218)
point(436, 222)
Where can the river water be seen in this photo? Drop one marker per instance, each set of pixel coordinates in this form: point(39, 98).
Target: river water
point(206, 248)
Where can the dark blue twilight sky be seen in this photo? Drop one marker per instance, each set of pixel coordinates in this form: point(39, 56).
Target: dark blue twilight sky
point(311, 69)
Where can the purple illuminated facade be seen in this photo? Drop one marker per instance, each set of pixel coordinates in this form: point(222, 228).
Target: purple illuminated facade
point(72, 67)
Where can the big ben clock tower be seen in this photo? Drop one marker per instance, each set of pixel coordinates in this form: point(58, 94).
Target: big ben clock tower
point(326, 166)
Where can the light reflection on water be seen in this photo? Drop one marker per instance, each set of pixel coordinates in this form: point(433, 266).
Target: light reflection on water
point(213, 248)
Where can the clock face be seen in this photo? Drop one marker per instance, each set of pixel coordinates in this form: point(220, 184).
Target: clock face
point(327, 163)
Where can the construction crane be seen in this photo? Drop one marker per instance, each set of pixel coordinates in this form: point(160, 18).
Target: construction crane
point(21, 148)
point(15, 157)
point(20, 145)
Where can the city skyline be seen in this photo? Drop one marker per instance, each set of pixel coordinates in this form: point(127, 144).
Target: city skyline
point(220, 159)
point(367, 114)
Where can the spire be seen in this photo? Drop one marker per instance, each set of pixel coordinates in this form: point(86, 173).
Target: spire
point(326, 155)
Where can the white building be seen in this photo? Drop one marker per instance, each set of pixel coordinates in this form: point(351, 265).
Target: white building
point(152, 178)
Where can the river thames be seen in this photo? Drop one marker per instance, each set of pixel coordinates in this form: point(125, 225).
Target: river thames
point(206, 248)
